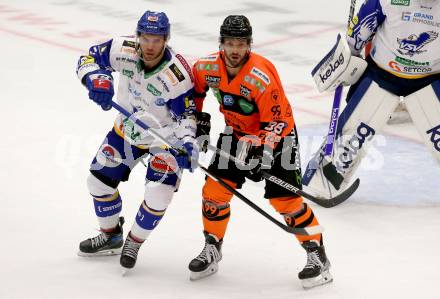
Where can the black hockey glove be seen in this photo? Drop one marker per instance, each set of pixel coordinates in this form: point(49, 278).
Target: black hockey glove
point(265, 160)
point(203, 130)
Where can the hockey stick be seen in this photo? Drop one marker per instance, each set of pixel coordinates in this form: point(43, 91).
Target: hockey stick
point(337, 100)
point(306, 231)
point(324, 202)
point(333, 121)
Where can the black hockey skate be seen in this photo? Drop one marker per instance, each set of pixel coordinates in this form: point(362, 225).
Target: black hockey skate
point(103, 244)
point(129, 253)
point(316, 271)
point(206, 263)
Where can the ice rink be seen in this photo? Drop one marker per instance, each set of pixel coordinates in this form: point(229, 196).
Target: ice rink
point(383, 242)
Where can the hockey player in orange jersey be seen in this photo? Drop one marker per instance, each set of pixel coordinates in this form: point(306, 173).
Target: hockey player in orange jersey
point(254, 106)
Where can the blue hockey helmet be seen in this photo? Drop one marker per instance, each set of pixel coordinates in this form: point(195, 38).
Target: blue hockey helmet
point(152, 22)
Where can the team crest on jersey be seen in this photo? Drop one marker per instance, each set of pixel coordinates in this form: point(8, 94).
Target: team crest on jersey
point(108, 156)
point(414, 43)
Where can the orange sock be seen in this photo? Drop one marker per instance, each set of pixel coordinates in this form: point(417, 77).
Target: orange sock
point(297, 214)
point(215, 207)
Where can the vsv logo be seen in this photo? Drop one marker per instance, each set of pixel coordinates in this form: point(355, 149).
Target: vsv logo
point(332, 68)
point(414, 43)
point(347, 151)
point(435, 137)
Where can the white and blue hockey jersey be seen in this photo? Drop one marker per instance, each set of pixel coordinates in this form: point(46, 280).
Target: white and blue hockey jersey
point(162, 98)
point(404, 35)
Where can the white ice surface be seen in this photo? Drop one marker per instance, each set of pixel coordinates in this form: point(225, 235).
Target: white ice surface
point(383, 242)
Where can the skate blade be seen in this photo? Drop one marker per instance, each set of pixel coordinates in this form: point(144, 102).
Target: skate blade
point(125, 271)
point(324, 278)
point(212, 269)
point(108, 252)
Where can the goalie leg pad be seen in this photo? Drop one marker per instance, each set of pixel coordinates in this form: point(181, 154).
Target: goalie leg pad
point(365, 114)
point(424, 108)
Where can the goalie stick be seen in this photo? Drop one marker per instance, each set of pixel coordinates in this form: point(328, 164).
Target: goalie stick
point(305, 231)
point(336, 101)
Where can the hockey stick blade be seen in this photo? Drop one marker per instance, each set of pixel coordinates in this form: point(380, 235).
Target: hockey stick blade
point(307, 231)
point(324, 202)
point(333, 201)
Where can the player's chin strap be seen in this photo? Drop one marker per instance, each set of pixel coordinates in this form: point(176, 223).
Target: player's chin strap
point(324, 202)
point(306, 231)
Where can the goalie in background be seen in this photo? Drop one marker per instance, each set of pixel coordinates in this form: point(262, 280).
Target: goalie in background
point(404, 62)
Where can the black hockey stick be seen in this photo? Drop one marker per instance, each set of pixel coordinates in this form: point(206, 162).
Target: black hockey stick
point(324, 202)
point(306, 231)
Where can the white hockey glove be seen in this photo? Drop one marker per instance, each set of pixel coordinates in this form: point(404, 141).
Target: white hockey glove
point(338, 67)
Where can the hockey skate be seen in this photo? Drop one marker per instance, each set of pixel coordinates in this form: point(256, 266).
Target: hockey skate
point(103, 244)
point(316, 271)
point(129, 254)
point(206, 263)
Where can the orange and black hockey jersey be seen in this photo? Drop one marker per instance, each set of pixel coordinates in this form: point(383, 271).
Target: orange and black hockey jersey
point(253, 102)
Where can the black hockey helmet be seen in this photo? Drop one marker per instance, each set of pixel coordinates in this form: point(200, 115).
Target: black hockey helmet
point(236, 26)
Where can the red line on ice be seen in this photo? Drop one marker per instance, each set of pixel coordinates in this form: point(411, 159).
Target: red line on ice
point(42, 40)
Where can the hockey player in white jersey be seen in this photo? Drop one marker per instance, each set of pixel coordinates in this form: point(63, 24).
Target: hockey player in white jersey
point(156, 85)
point(404, 62)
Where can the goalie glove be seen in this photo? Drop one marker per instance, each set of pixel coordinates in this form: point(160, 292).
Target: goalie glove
point(338, 67)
